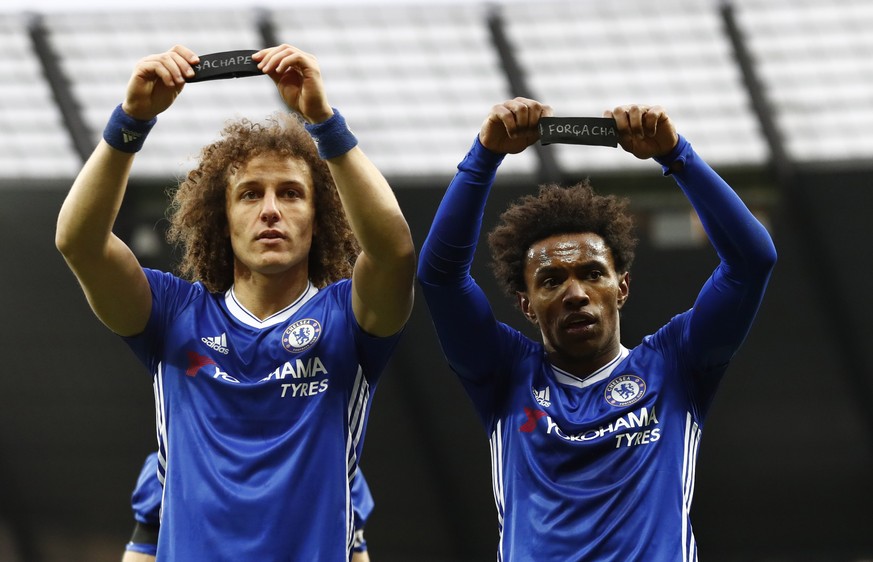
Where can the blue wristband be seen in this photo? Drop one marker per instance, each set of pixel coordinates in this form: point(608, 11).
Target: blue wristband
point(125, 133)
point(332, 137)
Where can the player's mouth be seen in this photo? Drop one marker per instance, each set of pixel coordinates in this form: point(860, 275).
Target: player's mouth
point(579, 322)
point(270, 234)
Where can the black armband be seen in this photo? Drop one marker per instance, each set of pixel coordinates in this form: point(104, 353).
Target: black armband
point(143, 533)
point(227, 64)
point(595, 131)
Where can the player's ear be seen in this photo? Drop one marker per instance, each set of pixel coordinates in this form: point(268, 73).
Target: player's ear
point(623, 288)
point(524, 305)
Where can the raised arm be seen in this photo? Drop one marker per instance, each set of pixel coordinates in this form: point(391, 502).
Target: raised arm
point(384, 272)
point(729, 300)
point(460, 311)
point(509, 128)
point(107, 270)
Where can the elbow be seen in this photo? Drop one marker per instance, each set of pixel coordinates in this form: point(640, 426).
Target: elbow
point(63, 241)
point(769, 256)
point(432, 267)
point(404, 251)
point(408, 261)
point(67, 232)
point(402, 256)
point(421, 271)
point(426, 272)
point(72, 244)
point(764, 260)
point(392, 244)
point(773, 257)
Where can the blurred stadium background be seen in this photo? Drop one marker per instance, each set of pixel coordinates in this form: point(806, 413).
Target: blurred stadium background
point(776, 94)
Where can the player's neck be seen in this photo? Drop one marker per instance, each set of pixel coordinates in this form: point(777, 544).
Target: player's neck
point(583, 367)
point(265, 295)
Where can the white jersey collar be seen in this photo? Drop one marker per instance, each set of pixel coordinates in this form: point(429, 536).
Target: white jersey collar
point(240, 312)
point(564, 377)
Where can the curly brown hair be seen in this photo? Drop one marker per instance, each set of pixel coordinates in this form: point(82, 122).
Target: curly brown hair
point(198, 219)
point(558, 210)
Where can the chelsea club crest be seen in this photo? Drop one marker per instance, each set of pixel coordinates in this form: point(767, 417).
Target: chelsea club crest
point(301, 335)
point(625, 390)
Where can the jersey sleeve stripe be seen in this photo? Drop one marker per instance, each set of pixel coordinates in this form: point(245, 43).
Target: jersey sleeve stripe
point(497, 479)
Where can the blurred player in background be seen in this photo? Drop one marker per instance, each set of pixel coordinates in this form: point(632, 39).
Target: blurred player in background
point(146, 505)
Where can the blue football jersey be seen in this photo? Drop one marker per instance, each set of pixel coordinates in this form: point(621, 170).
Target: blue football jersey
point(596, 468)
point(260, 423)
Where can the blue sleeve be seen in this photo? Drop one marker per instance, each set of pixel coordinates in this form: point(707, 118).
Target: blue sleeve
point(146, 496)
point(169, 295)
point(374, 352)
point(458, 307)
point(729, 300)
point(362, 504)
point(448, 251)
point(362, 500)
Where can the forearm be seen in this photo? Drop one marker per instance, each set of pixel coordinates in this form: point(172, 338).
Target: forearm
point(385, 269)
point(741, 241)
point(448, 251)
point(451, 294)
point(728, 302)
point(86, 218)
point(107, 270)
point(371, 208)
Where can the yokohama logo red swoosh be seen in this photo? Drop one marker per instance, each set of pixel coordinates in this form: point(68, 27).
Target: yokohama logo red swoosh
point(532, 417)
point(197, 362)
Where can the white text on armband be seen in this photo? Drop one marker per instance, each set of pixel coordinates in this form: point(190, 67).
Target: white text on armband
point(580, 130)
point(223, 63)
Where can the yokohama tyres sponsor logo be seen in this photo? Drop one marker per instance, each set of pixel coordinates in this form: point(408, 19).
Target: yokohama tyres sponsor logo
point(629, 430)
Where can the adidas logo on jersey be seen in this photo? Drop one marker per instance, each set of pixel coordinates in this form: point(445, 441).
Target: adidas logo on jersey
point(542, 397)
point(218, 343)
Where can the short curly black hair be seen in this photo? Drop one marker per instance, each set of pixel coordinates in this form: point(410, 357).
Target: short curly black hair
point(558, 210)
